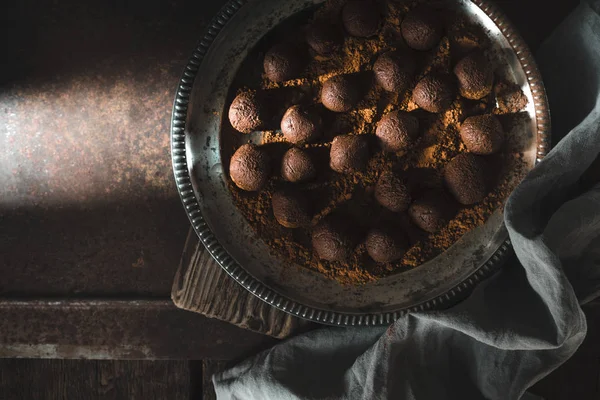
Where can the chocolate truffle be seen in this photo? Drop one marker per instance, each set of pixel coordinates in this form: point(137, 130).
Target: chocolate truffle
point(334, 239)
point(348, 153)
point(432, 211)
point(422, 29)
point(475, 76)
point(361, 18)
point(386, 245)
point(324, 37)
point(482, 134)
point(247, 112)
point(301, 125)
point(465, 178)
point(249, 168)
point(391, 191)
point(394, 71)
point(283, 62)
point(291, 209)
point(339, 94)
point(397, 131)
point(297, 166)
point(434, 93)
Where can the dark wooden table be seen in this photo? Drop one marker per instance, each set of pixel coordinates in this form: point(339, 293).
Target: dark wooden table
point(91, 227)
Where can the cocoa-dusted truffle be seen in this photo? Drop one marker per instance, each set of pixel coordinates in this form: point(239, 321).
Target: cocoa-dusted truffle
point(247, 112)
point(291, 209)
point(391, 191)
point(386, 245)
point(334, 239)
point(283, 62)
point(422, 29)
point(339, 94)
point(348, 153)
point(482, 134)
point(434, 93)
point(298, 166)
point(397, 131)
point(324, 37)
point(432, 211)
point(301, 124)
point(394, 71)
point(361, 18)
point(249, 168)
point(475, 76)
point(465, 178)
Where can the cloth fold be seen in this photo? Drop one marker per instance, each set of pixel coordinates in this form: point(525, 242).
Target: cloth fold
point(516, 327)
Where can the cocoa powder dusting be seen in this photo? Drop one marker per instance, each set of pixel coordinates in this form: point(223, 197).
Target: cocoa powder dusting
point(352, 194)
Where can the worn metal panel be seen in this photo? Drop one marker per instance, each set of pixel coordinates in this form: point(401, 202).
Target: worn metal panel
point(87, 196)
point(118, 329)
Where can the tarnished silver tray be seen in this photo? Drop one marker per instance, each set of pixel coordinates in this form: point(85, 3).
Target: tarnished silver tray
point(201, 180)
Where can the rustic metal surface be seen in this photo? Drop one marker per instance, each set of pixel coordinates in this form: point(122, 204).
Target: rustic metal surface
point(73, 237)
point(87, 198)
point(127, 329)
point(200, 171)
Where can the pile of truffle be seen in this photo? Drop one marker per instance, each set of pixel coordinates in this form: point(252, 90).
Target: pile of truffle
point(334, 237)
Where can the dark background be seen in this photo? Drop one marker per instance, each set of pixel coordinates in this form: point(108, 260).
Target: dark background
point(88, 207)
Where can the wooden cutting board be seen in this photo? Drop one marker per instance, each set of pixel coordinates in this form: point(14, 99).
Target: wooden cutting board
point(202, 286)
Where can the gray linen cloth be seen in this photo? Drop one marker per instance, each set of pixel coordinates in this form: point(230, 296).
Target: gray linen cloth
point(515, 328)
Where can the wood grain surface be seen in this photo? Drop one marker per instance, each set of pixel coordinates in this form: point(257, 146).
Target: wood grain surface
point(202, 286)
point(209, 368)
point(96, 380)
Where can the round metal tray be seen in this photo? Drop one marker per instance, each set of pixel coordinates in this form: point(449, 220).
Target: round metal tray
point(201, 180)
